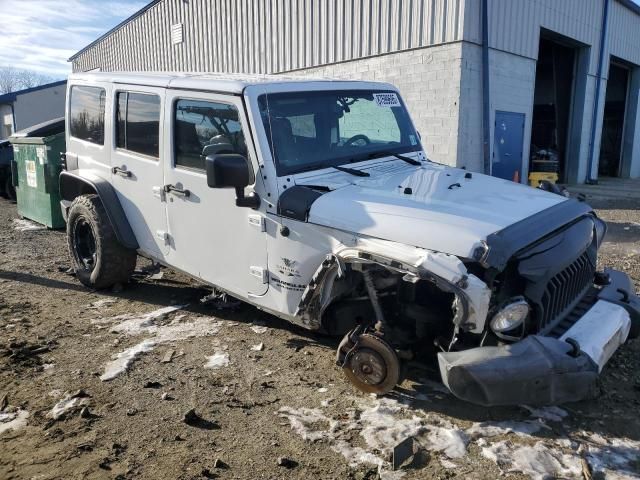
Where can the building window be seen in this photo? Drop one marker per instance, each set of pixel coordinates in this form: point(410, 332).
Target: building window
point(87, 114)
point(138, 123)
point(205, 128)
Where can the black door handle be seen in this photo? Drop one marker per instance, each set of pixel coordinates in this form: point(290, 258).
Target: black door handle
point(123, 172)
point(177, 191)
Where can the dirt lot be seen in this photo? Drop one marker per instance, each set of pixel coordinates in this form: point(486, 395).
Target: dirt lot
point(267, 399)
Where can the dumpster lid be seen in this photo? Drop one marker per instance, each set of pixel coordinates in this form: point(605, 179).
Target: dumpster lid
point(44, 129)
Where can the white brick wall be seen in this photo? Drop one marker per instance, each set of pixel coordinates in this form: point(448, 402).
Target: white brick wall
point(429, 81)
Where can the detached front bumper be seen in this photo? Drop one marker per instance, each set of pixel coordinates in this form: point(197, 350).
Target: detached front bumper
point(541, 370)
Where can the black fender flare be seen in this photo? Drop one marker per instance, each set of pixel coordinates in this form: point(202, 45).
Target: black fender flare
point(74, 183)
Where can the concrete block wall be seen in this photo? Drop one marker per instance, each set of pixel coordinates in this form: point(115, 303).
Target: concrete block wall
point(512, 83)
point(429, 81)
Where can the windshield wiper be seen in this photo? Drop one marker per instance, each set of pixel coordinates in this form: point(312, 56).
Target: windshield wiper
point(409, 160)
point(352, 171)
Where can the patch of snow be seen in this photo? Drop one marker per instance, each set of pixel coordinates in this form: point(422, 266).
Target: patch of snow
point(67, 403)
point(614, 457)
point(136, 324)
point(217, 360)
point(24, 225)
point(48, 366)
point(150, 324)
point(538, 461)
point(174, 331)
point(323, 390)
point(384, 423)
point(493, 429)
point(306, 422)
point(98, 304)
point(327, 402)
point(356, 455)
point(13, 421)
point(553, 414)
point(258, 348)
point(123, 360)
point(259, 329)
point(451, 441)
point(448, 464)
point(383, 428)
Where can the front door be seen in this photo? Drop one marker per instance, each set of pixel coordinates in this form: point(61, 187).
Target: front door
point(507, 146)
point(137, 166)
point(210, 236)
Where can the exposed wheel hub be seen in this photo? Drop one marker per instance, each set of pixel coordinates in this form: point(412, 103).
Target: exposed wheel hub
point(369, 362)
point(368, 366)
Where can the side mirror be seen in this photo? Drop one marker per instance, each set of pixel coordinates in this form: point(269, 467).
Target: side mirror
point(230, 170)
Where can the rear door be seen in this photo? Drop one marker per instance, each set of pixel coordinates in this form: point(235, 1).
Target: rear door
point(137, 167)
point(210, 236)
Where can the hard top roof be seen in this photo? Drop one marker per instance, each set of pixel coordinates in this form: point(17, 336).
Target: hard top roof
point(222, 82)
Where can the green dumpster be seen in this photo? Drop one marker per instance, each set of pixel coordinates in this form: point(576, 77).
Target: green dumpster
point(36, 152)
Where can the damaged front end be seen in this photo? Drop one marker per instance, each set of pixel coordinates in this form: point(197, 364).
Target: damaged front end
point(386, 299)
point(534, 327)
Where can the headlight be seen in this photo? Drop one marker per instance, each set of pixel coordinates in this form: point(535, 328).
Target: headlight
point(510, 316)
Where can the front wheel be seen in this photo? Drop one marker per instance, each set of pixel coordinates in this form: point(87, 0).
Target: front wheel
point(372, 365)
point(99, 259)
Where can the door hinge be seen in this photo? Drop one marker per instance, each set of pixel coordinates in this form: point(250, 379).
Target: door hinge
point(260, 273)
point(159, 192)
point(164, 236)
point(258, 222)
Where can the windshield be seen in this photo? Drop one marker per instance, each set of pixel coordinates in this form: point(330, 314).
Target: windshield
point(312, 130)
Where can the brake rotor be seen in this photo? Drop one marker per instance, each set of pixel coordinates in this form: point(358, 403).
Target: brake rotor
point(372, 366)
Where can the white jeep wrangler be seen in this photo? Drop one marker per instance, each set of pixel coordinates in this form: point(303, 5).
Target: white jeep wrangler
point(314, 201)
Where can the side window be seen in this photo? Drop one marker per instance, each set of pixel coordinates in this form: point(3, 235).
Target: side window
point(86, 113)
point(138, 123)
point(205, 128)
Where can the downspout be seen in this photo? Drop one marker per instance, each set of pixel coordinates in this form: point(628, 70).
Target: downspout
point(13, 118)
point(596, 104)
point(486, 113)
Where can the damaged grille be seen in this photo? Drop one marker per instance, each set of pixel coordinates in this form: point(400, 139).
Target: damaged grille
point(565, 290)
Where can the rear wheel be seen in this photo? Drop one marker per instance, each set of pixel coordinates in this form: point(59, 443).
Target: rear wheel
point(99, 260)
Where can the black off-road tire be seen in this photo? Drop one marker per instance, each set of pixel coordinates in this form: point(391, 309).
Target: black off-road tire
point(99, 259)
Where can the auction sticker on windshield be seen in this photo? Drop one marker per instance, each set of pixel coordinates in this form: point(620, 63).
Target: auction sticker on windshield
point(386, 99)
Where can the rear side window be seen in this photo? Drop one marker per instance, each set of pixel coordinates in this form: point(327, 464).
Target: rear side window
point(205, 128)
point(86, 113)
point(138, 123)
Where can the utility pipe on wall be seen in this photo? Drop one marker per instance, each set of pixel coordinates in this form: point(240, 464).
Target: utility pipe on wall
point(486, 105)
point(596, 102)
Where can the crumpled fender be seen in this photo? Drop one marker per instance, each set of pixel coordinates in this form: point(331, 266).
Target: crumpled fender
point(447, 271)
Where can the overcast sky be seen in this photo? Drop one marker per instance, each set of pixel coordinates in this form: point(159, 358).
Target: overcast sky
point(41, 35)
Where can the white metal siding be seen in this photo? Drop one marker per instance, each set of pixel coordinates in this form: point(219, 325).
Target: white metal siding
point(270, 36)
point(514, 26)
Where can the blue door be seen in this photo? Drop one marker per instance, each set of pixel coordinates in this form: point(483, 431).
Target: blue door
point(508, 137)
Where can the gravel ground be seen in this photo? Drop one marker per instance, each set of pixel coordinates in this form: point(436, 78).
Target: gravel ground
point(235, 393)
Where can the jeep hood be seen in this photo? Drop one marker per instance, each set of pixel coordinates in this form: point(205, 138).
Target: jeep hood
point(434, 207)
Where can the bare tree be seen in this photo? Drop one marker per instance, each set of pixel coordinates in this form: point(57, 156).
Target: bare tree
point(12, 79)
